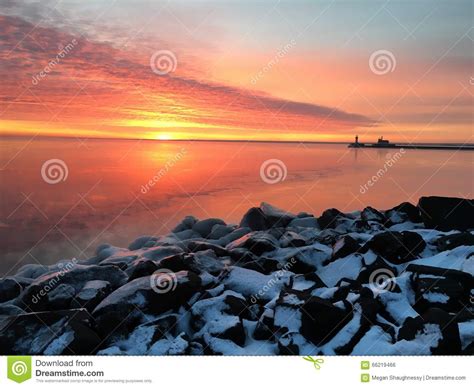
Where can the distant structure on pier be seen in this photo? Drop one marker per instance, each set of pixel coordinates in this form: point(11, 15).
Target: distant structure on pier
point(356, 143)
point(381, 142)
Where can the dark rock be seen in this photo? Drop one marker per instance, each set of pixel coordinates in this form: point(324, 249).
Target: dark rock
point(328, 237)
point(140, 268)
point(176, 263)
point(10, 309)
point(234, 332)
point(439, 287)
point(262, 265)
point(292, 239)
point(369, 307)
point(330, 218)
point(151, 294)
point(446, 214)
point(344, 287)
point(219, 317)
point(454, 240)
point(265, 217)
point(344, 247)
point(232, 236)
point(287, 345)
point(305, 222)
point(187, 223)
point(91, 294)
point(60, 297)
point(275, 217)
point(264, 329)
point(161, 252)
point(195, 246)
point(256, 242)
point(121, 262)
point(236, 305)
point(164, 326)
point(242, 256)
point(35, 296)
point(321, 320)
point(140, 242)
point(206, 261)
point(218, 231)
point(404, 212)
point(64, 332)
point(204, 227)
point(449, 344)
point(397, 247)
point(254, 219)
point(9, 289)
point(371, 214)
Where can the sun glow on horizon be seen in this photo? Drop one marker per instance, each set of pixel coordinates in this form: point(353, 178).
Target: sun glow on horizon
point(163, 136)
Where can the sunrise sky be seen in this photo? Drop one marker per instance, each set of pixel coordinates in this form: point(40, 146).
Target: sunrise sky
point(266, 70)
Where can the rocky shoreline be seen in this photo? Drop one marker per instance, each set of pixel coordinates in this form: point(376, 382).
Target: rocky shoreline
point(393, 282)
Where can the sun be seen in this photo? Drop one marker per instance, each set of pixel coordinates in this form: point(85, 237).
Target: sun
point(163, 136)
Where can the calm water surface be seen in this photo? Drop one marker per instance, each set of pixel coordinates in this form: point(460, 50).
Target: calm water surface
point(105, 197)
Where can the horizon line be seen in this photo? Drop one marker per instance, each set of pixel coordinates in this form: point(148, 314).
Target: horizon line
point(213, 140)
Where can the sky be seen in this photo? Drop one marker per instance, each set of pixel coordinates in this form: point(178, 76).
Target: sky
point(238, 70)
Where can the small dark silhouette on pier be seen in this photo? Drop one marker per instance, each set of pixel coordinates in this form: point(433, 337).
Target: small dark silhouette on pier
point(384, 143)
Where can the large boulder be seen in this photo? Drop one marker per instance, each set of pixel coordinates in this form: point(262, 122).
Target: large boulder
point(406, 211)
point(204, 227)
point(454, 240)
point(36, 296)
point(265, 217)
point(92, 294)
point(65, 332)
point(440, 329)
point(397, 247)
point(9, 289)
point(330, 218)
point(321, 320)
point(153, 294)
point(446, 213)
point(256, 242)
point(443, 288)
point(220, 317)
point(344, 247)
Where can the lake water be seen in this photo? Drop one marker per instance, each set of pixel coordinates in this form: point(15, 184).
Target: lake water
point(102, 192)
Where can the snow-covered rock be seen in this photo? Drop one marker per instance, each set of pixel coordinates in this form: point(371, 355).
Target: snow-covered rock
point(360, 283)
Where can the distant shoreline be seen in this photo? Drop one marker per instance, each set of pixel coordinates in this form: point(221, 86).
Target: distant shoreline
point(395, 145)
